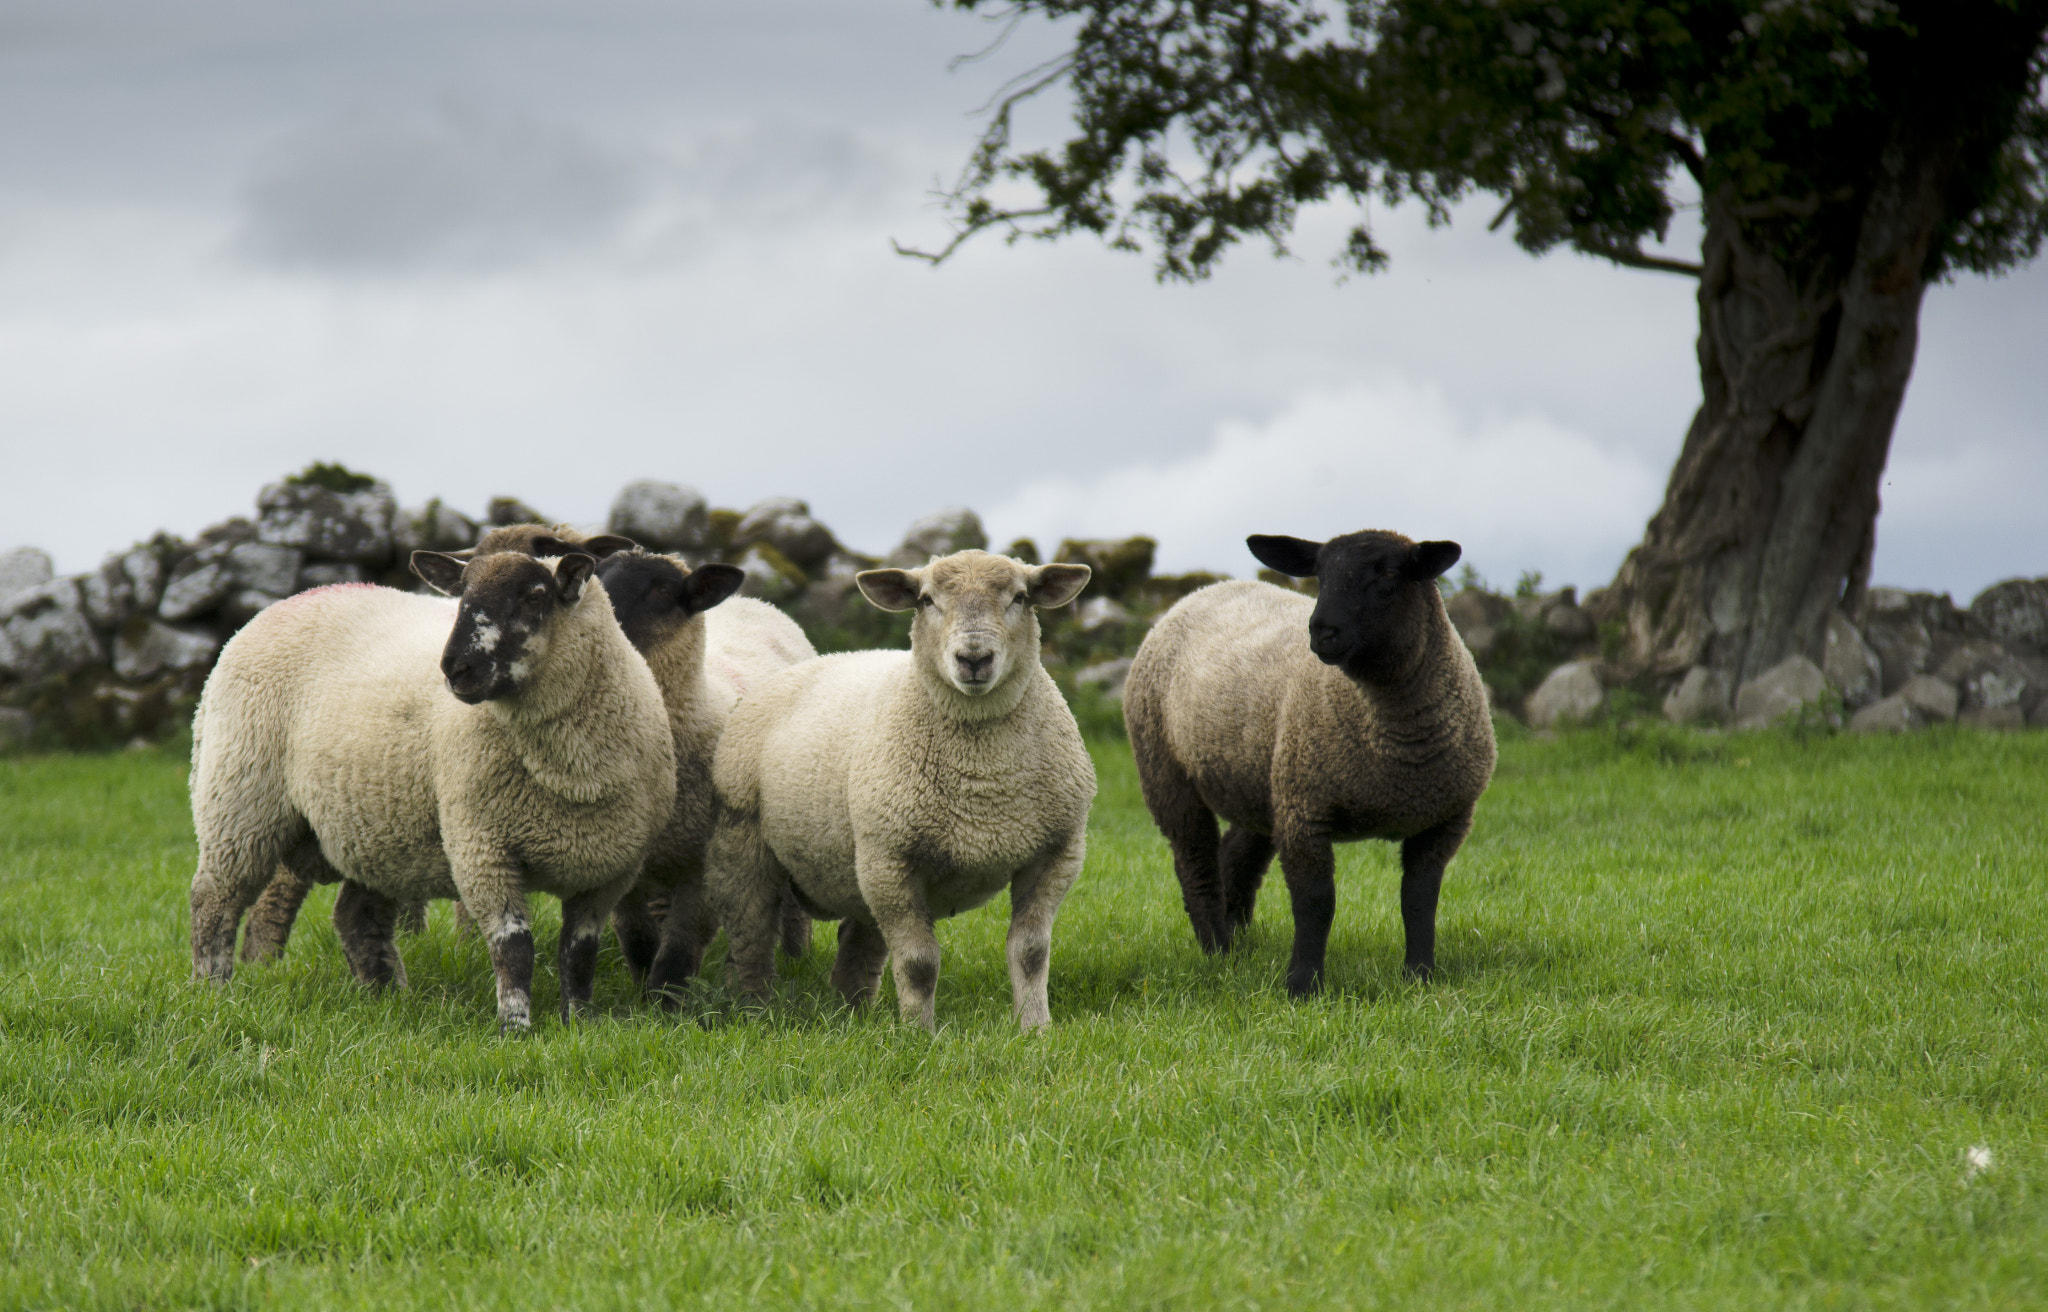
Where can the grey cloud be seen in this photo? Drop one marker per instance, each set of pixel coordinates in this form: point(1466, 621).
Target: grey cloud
point(451, 187)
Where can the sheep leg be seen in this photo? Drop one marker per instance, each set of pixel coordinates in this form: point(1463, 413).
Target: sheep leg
point(583, 918)
point(412, 917)
point(796, 929)
point(367, 923)
point(1190, 830)
point(233, 871)
point(685, 932)
point(1243, 857)
point(270, 921)
point(857, 969)
point(639, 933)
point(893, 895)
point(495, 894)
point(1035, 897)
point(1423, 858)
point(746, 886)
point(1311, 871)
point(465, 924)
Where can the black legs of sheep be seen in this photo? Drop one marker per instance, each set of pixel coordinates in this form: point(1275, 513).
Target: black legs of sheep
point(1243, 857)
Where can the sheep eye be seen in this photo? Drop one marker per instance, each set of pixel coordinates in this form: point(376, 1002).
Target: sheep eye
point(1018, 600)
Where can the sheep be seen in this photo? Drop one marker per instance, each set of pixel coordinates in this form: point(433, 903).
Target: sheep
point(1358, 714)
point(324, 740)
point(706, 649)
point(888, 789)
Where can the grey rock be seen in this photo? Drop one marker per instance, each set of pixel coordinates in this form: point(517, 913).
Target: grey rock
point(1571, 692)
point(145, 648)
point(1476, 615)
point(1569, 622)
point(15, 727)
point(1850, 664)
point(2015, 614)
point(785, 524)
point(662, 516)
point(107, 594)
point(1987, 675)
point(1100, 612)
point(1786, 687)
point(942, 533)
point(1932, 698)
point(432, 527)
point(47, 632)
point(1111, 675)
point(763, 579)
point(22, 569)
point(1701, 697)
point(147, 567)
point(265, 568)
point(2009, 716)
point(330, 525)
point(328, 573)
point(2038, 717)
point(198, 584)
point(1893, 714)
point(504, 511)
point(1910, 631)
point(243, 604)
point(842, 567)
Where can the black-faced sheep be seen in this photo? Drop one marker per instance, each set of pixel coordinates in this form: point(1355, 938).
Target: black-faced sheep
point(706, 649)
point(1358, 714)
point(890, 789)
point(326, 739)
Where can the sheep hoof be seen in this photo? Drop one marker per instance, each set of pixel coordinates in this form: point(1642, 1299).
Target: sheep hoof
point(1419, 971)
point(1304, 982)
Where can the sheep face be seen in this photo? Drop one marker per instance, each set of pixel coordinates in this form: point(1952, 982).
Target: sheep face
point(976, 623)
point(501, 628)
point(653, 596)
point(1376, 591)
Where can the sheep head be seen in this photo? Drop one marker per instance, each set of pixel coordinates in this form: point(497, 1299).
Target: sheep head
point(976, 619)
point(1375, 599)
point(509, 602)
point(653, 596)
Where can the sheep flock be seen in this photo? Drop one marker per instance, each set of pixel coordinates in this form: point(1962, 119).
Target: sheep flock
point(580, 717)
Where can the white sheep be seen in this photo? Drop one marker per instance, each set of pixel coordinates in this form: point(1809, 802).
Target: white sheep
point(706, 648)
point(1358, 714)
point(889, 789)
point(327, 738)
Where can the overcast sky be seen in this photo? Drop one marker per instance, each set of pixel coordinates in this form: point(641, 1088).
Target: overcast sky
point(543, 249)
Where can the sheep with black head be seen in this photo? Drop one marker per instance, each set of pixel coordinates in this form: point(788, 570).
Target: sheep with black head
point(1305, 722)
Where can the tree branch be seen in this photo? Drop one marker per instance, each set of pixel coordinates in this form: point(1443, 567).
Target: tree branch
point(1638, 260)
point(1688, 155)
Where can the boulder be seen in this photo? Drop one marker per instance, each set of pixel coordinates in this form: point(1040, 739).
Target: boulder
point(1909, 630)
point(328, 573)
point(1850, 664)
point(198, 583)
point(1100, 613)
point(1023, 549)
point(661, 516)
point(1476, 615)
point(147, 566)
point(1791, 684)
point(1115, 564)
point(432, 527)
point(330, 525)
point(769, 577)
point(505, 511)
point(1569, 622)
point(265, 568)
point(1571, 693)
point(47, 632)
point(2015, 614)
point(1933, 699)
point(1893, 714)
point(942, 533)
point(1987, 676)
point(1109, 675)
point(1701, 697)
point(22, 569)
point(145, 648)
point(107, 593)
point(2009, 716)
point(785, 524)
point(241, 605)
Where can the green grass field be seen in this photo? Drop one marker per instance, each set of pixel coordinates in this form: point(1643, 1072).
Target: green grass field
point(1718, 1024)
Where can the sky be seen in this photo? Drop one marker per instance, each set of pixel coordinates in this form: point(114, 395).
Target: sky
point(486, 247)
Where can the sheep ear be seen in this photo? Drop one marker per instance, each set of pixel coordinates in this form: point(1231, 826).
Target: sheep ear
point(891, 589)
point(572, 574)
point(547, 544)
point(1428, 560)
point(442, 572)
point(607, 544)
point(708, 585)
point(1053, 586)
point(1295, 557)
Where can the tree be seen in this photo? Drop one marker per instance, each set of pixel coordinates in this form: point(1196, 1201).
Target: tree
point(1846, 153)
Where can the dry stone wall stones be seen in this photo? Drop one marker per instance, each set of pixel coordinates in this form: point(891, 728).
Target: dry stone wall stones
point(956, 528)
point(785, 524)
point(1109, 675)
point(48, 632)
point(432, 527)
point(328, 573)
point(1987, 676)
point(1099, 613)
point(145, 648)
point(23, 569)
point(2015, 614)
point(661, 516)
point(764, 578)
point(107, 594)
point(1701, 697)
point(1932, 698)
point(1115, 565)
point(147, 565)
point(1476, 614)
point(353, 526)
point(1786, 687)
point(198, 584)
point(1850, 664)
point(2009, 716)
point(1569, 622)
point(505, 511)
point(1893, 714)
point(1571, 693)
point(262, 567)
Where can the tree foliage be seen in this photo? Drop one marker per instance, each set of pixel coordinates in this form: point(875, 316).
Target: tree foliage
point(1202, 122)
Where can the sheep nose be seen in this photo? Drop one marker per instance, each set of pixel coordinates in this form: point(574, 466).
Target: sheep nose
point(1322, 634)
point(975, 669)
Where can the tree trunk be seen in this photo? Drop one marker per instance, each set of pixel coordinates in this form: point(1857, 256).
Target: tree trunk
point(1770, 516)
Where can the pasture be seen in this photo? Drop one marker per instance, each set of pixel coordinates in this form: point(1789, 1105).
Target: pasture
point(1719, 1024)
